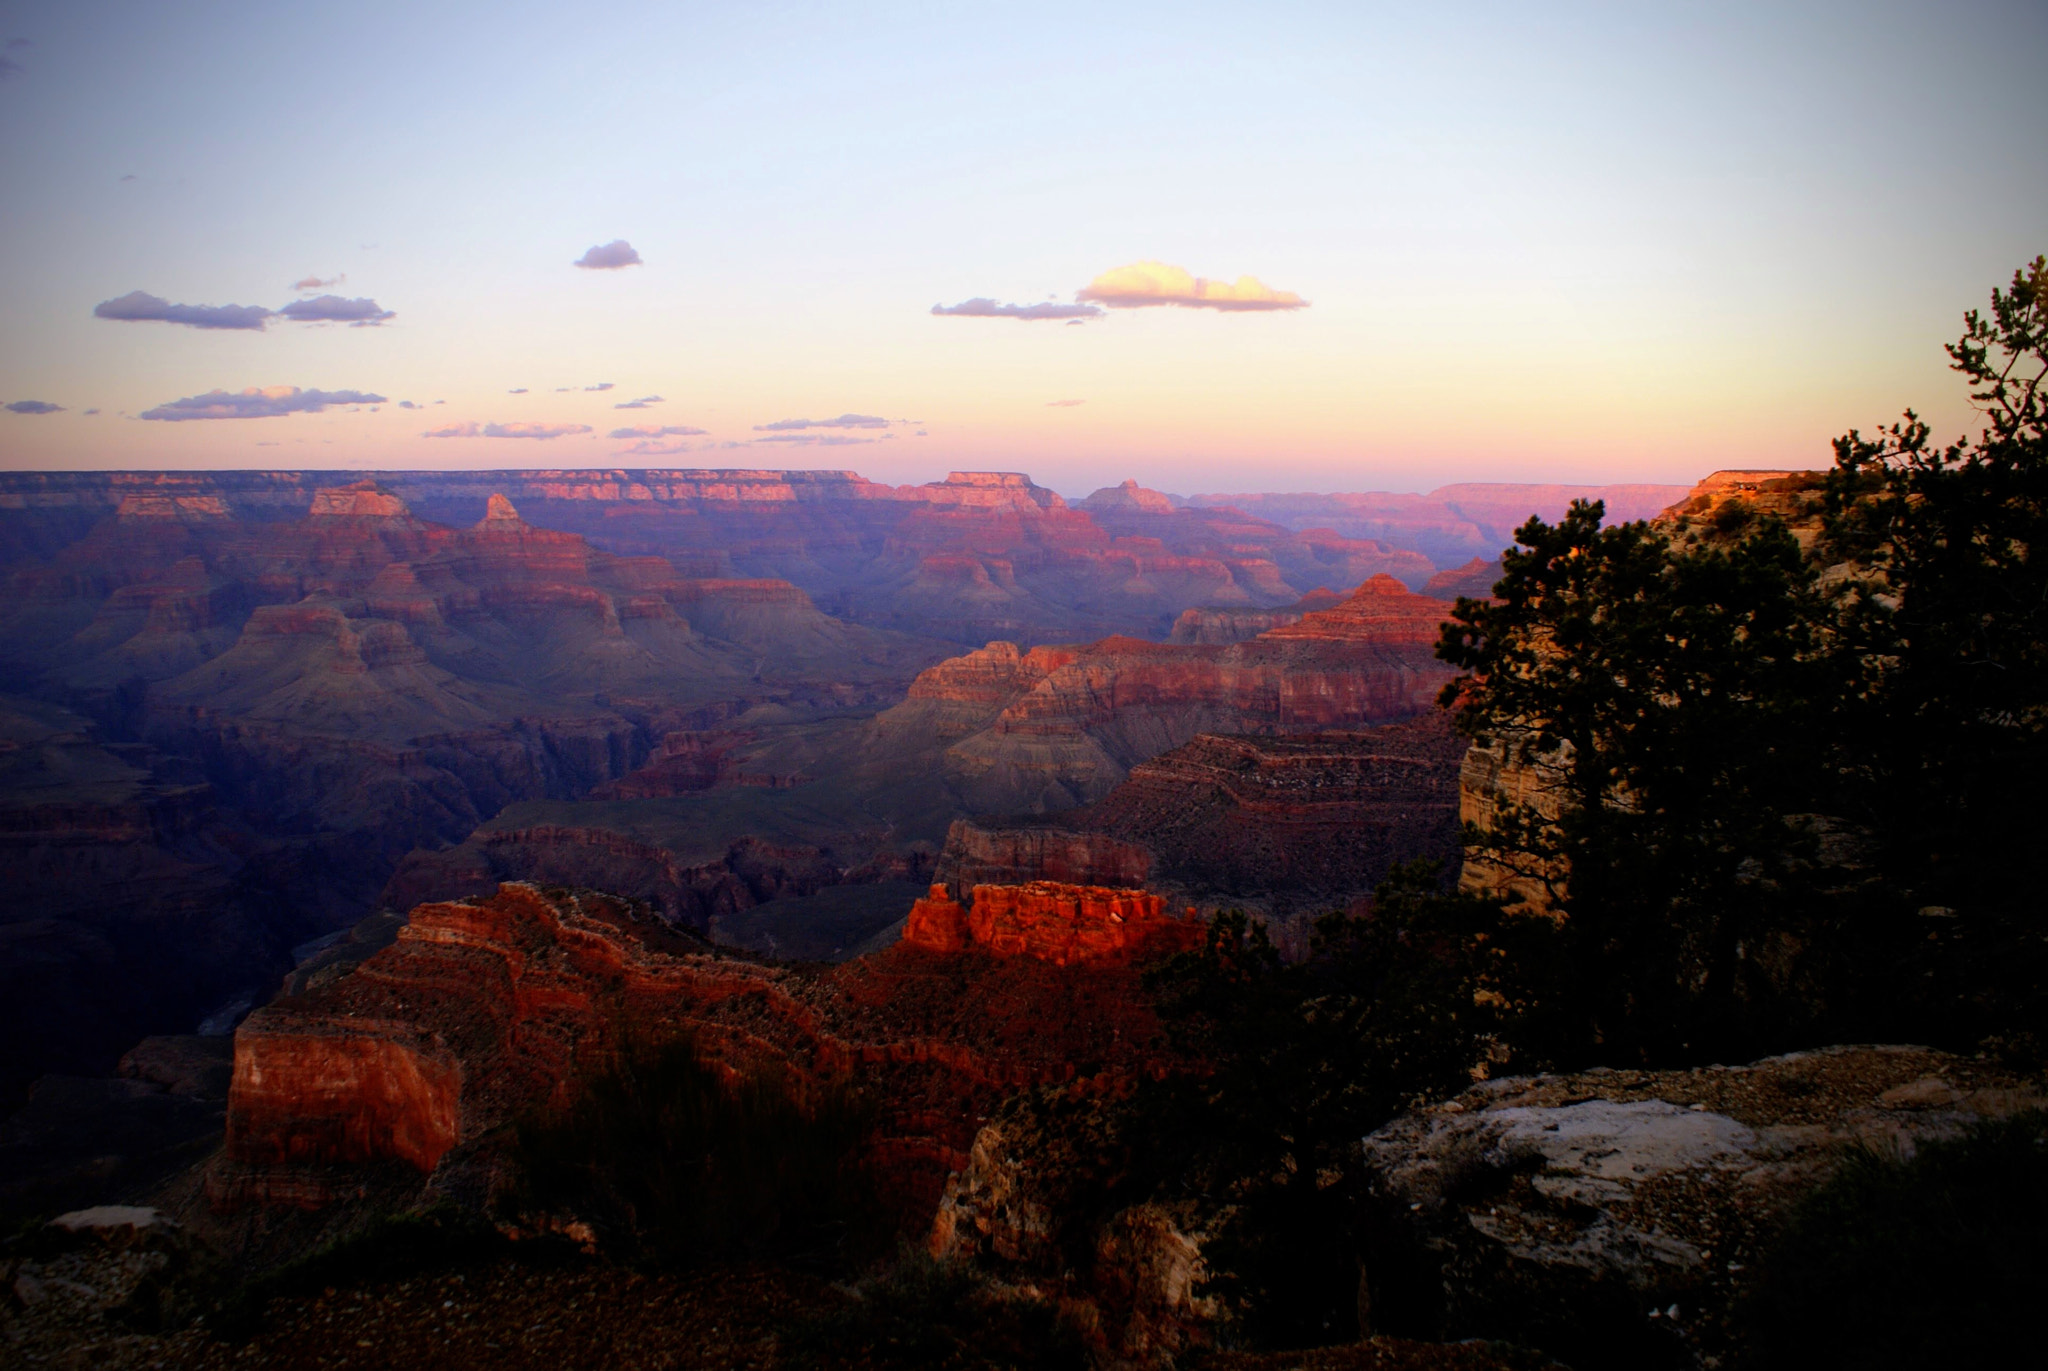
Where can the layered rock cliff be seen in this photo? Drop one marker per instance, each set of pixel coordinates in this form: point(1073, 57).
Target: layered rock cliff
point(1046, 730)
point(487, 1010)
point(1290, 827)
point(1052, 922)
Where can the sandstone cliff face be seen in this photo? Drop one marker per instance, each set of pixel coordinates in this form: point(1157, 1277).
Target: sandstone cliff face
point(486, 1010)
point(1051, 922)
point(977, 855)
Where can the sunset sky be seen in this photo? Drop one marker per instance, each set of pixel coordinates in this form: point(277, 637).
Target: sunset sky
point(1286, 247)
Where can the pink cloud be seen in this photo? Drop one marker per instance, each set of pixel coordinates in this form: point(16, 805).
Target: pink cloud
point(1156, 283)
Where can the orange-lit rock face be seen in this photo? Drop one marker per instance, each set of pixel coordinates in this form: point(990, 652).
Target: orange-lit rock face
point(485, 1011)
point(1049, 921)
point(346, 1092)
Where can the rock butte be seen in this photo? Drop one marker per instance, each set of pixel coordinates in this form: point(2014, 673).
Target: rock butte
point(1053, 922)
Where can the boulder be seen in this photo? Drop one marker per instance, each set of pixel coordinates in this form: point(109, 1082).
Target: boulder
point(1613, 1218)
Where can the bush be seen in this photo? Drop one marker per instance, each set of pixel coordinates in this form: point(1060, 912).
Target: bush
point(921, 1312)
point(1296, 1062)
point(672, 1161)
point(1936, 1260)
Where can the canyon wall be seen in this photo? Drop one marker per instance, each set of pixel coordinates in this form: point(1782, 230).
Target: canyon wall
point(1051, 921)
point(1043, 731)
point(486, 1011)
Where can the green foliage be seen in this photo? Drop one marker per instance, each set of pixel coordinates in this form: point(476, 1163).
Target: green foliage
point(1709, 716)
point(672, 1161)
point(1670, 694)
point(1304, 1058)
point(1933, 1261)
point(1946, 624)
point(920, 1312)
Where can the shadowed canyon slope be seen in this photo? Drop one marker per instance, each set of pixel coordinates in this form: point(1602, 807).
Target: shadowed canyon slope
point(278, 710)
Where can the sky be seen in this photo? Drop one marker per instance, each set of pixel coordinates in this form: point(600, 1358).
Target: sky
point(1210, 247)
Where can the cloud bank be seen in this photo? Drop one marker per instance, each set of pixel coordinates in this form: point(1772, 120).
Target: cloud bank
point(1157, 283)
point(817, 439)
point(981, 307)
point(34, 407)
point(609, 257)
point(332, 309)
point(538, 431)
point(843, 421)
point(258, 402)
point(658, 431)
point(656, 447)
point(140, 307)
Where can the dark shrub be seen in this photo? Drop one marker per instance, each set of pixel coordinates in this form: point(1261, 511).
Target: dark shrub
point(671, 1160)
point(1940, 1260)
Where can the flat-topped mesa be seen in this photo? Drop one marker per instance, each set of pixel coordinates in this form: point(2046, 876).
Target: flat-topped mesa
point(1050, 921)
point(362, 500)
point(179, 507)
point(1382, 611)
point(988, 490)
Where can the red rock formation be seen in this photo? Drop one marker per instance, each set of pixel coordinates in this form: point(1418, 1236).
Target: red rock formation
point(1076, 718)
point(1223, 624)
point(1050, 921)
point(486, 1010)
point(1288, 826)
point(1381, 612)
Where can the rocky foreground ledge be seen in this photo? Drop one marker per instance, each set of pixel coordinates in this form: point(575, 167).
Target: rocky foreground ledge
point(1610, 1218)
